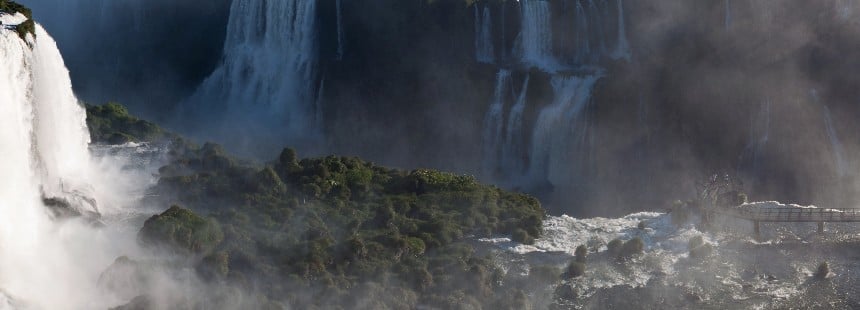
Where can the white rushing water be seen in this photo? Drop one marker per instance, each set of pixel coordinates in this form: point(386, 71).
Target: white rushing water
point(50, 263)
point(561, 133)
point(484, 51)
point(514, 144)
point(758, 138)
point(535, 37)
point(836, 148)
point(728, 17)
point(494, 122)
point(835, 143)
point(269, 69)
point(622, 49)
point(740, 273)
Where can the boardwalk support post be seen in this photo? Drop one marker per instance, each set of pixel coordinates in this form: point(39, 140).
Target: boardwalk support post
point(820, 227)
point(757, 228)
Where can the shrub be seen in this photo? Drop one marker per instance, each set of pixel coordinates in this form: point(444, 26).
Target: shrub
point(698, 248)
point(632, 247)
point(614, 247)
point(521, 236)
point(183, 230)
point(822, 271)
point(575, 270)
point(566, 292)
point(702, 251)
point(695, 242)
point(581, 253)
point(545, 273)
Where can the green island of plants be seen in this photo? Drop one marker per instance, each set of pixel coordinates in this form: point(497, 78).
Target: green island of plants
point(330, 232)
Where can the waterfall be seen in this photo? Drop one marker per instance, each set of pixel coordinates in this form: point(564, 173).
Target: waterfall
point(44, 145)
point(758, 139)
point(340, 33)
point(494, 123)
point(484, 36)
point(504, 40)
point(845, 9)
point(596, 29)
point(512, 150)
point(835, 143)
point(535, 37)
point(63, 158)
point(583, 41)
point(622, 50)
point(560, 142)
point(728, 21)
point(268, 73)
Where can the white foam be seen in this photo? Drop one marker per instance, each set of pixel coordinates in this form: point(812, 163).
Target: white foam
point(12, 19)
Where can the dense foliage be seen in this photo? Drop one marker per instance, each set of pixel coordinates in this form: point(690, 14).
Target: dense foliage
point(182, 230)
point(24, 28)
point(331, 232)
point(112, 124)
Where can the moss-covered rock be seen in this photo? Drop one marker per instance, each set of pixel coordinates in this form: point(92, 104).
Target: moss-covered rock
point(632, 248)
point(111, 123)
point(574, 270)
point(182, 230)
point(822, 271)
point(581, 253)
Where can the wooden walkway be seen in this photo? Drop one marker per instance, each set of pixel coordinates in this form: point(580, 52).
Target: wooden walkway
point(792, 215)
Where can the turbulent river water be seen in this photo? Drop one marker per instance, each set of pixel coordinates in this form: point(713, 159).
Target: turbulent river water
point(773, 271)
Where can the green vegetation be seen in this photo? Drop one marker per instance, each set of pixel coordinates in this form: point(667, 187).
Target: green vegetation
point(699, 249)
point(695, 242)
point(614, 247)
point(29, 26)
point(329, 232)
point(632, 248)
point(545, 274)
point(112, 124)
point(574, 270)
point(580, 253)
point(182, 230)
point(823, 271)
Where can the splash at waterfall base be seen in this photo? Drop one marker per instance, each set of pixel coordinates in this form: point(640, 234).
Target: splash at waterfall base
point(50, 178)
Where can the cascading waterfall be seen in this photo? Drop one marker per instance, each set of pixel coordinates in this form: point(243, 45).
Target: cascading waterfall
point(484, 51)
point(622, 50)
point(494, 122)
point(759, 137)
point(845, 9)
point(513, 148)
point(561, 135)
point(597, 29)
point(63, 158)
point(535, 37)
point(268, 72)
point(728, 20)
point(44, 145)
point(835, 143)
point(583, 41)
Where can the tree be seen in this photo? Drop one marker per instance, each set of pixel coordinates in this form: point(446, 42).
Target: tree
point(581, 253)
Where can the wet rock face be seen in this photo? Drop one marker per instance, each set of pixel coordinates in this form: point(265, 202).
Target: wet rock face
point(72, 202)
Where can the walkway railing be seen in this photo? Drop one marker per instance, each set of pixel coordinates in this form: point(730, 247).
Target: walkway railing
point(792, 215)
